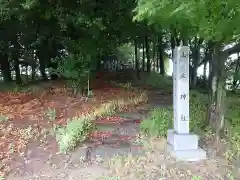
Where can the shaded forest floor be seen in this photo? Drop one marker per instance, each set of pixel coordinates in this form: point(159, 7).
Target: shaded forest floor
point(115, 150)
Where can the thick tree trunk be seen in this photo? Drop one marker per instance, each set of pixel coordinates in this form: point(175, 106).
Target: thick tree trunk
point(148, 54)
point(143, 57)
point(5, 67)
point(217, 92)
point(136, 59)
point(161, 55)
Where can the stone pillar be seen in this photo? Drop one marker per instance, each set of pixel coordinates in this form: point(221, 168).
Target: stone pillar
point(182, 144)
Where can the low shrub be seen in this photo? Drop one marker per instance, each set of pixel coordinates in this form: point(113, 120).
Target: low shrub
point(76, 131)
point(158, 122)
point(161, 119)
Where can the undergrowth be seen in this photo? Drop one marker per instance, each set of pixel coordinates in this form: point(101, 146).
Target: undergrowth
point(76, 131)
point(78, 128)
point(160, 120)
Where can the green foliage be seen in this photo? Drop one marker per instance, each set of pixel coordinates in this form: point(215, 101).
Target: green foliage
point(196, 178)
point(76, 68)
point(156, 80)
point(125, 53)
point(198, 110)
point(2, 178)
point(76, 131)
point(233, 153)
point(208, 19)
point(158, 122)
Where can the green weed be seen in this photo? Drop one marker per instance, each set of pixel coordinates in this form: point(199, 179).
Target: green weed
point(76, 131)
point(196, 178)
point(3, 118)
point(51, 114)
point(159, 121)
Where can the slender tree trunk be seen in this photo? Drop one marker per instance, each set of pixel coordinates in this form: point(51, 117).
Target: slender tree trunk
point(196, 60)
point(148, 54)
point(42, 64)
point(17, 70)
point(161, 55)
point(217, 92)
point(143, 57)
point(5, 67)
point(173, 44)
point(236, 74)
point(205, 71)
point(136, 59)
point(154, 55)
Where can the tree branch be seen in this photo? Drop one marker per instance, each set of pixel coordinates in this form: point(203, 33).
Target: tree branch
point(232, 50)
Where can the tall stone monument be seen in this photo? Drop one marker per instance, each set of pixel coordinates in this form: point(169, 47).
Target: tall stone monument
point(181, 143)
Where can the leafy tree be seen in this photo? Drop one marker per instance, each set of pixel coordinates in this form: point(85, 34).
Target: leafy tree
point(214, 21)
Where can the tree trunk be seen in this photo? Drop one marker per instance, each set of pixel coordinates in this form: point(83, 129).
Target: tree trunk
point(173, 44)
point(196, 60)
point(154, 55)
point(136, 59)
point(42, 64)
point(205, 72)
point(143, 57)
point(5, 67)
point(148, 54)
point(236, 75)
point(161, 55)
point(17, 70)
point(217, 92)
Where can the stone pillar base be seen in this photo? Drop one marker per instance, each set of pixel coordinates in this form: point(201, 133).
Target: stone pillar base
point(184, 147)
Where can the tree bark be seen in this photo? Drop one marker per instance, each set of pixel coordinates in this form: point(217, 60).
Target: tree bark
point(161, 55)
point(196, 60)
point(154, 55)
point(42, 64)
point(143, 57)
point(236, 73)
point(205, 74)
point(217, 92)
point(136, 59)
point(17, 70)
point(5, 67)
point(173, 44)
point(148, 54)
